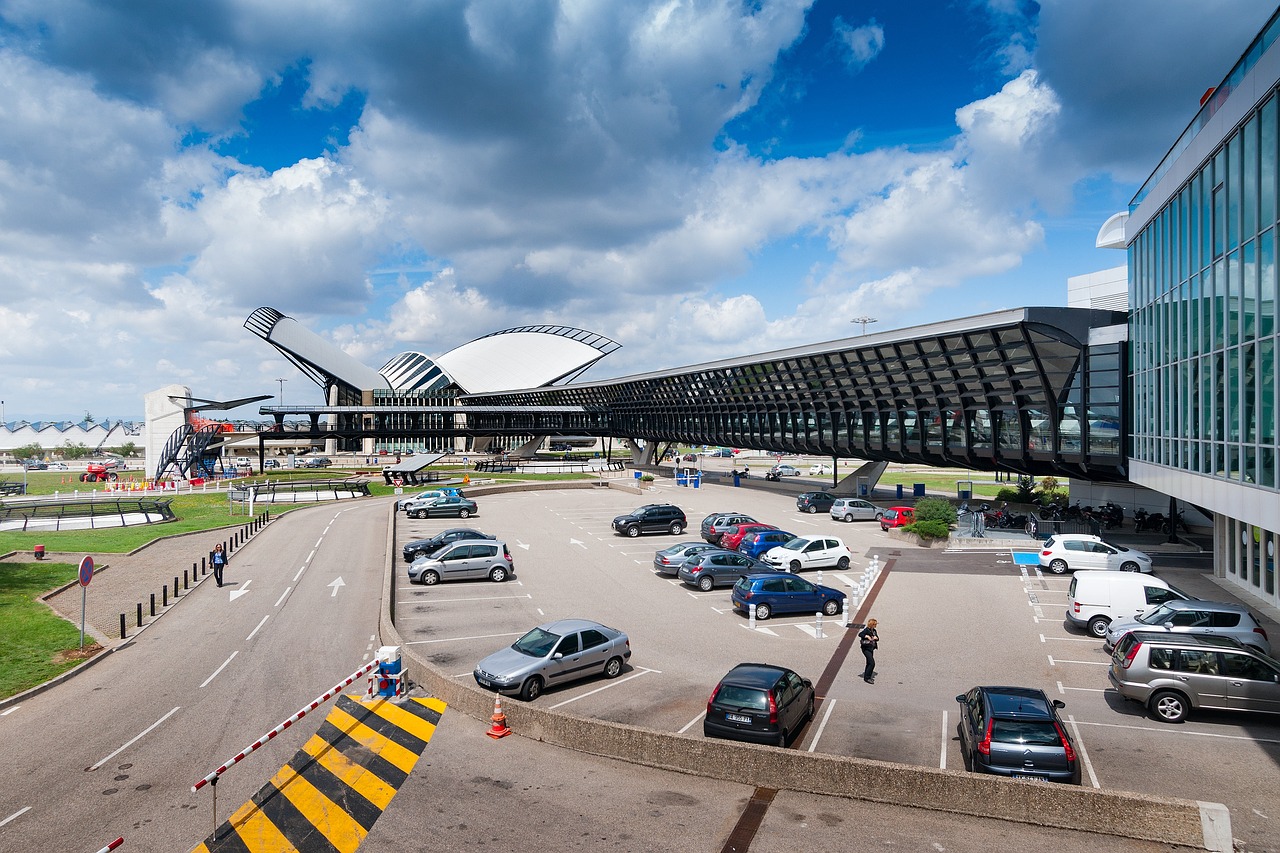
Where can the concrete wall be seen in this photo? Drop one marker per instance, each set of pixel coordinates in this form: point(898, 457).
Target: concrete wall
point(1167, 820)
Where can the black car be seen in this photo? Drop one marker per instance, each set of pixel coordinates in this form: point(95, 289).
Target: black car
point(717, 567)
point(425, 547)
point(759, 702)
point(35, 465)
point(814, 502)
point(1016, 732)
point(315, 462)
point(652, 518)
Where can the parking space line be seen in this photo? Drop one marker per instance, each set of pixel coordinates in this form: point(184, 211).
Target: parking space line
point(760, 630)
point(691, 723)
point(457, 639)
point(20, 812)
point(482, 598)
point(1084, 754)
point(831, 704)
point(1182, 731)
point(615, 683)
point(1055, 662)
point(1043, 639)
point(946, 737)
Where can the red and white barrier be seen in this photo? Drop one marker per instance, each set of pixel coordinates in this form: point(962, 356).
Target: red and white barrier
point(112, 846)
point(213, 777)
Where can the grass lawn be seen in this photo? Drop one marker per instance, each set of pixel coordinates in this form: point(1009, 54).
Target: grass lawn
point(35, 643)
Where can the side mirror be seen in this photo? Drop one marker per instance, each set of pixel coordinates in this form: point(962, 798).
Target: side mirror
point(960, 698)
point(1059, 704)
point(557, 656)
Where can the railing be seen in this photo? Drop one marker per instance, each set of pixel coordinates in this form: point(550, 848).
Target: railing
point(59, 511)
point(283, 491)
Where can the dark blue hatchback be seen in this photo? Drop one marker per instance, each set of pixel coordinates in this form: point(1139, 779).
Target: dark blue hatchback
point(782, 592)
point(755, 544)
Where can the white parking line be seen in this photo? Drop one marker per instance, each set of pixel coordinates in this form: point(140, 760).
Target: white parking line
point(483, 598)
point(831, 706)
point(20, 812)
point(1084, 754)
point(9, 711)
point(691, 723)
point(1053, 662)
point(643, 671)
point(139, 737)
point(457, 639)
point(760, 630)
point(1045, 639)
point(946, 737)
point(1182, 731)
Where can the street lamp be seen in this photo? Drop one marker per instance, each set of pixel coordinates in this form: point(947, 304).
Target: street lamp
point(282, 381)
point(864, 321)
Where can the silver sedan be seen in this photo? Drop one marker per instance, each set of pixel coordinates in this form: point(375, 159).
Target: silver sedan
point(553, 654)
point(669, 560)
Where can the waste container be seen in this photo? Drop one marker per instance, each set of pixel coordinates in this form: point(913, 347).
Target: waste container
point(39, 552)
point(737, 479)
point(388, 658)
point(682, 479)
point(637, 473)
point(917, 490)
point(899, 491)
point(696, 479)
point(964, 495)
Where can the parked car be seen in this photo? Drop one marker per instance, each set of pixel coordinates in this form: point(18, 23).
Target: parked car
point(1016, 732)
point(58, 466)
point(465, 559)
point(652, 518)
point(809, 552)
point(817, 469)
point(553, 654)
point(785, 471)
point(1175, 674)
point(445, 505)
point(668, 561)
point(755, 544)
point(759, 702)
point(731, 538)
point(427, 496)
point(718, 567)
point(780, 592)
point(35, 465)
point(855, 509)
point(897, 516)
point(715, 525)
point(271, 463)
point(1095, 598)
point(1063, 552)
point(722, 452)
point(315, 462)
point(814, 502)
point(1181, 616)
point(426, 547)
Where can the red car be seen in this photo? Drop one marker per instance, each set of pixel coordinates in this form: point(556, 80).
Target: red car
point(897, 516)
point(730, 540)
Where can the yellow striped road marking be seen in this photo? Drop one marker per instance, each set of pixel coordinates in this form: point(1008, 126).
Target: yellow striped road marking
point(382, 746)
point(323, 813)
point(410, 722)
point(258, 832)
point(359, 779)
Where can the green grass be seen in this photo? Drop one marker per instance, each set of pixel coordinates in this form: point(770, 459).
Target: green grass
point(32, 637)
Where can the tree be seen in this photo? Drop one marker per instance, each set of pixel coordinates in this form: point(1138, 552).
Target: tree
point(88, 418)
point(128, 449)
point(28, 451)
point(73, 451)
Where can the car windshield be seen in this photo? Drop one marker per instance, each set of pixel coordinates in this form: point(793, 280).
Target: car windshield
point(536, 644)
point(1163, 613)
point(794, 544)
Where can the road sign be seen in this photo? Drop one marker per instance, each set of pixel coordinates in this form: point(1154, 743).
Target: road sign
point(86, 571)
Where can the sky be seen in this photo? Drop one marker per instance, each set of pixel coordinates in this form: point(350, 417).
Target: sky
point(695, 180)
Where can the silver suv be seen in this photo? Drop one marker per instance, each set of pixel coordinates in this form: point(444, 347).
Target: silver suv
point(1210, 618)
point(1174, 674)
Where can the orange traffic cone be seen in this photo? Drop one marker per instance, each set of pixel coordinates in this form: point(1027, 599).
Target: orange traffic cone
point(499, 728)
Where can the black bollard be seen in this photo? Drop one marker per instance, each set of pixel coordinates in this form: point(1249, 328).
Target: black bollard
point(122, 631)
point(164, 596)
point(153, 604)
point(175, 587)
point(185, 585)
point(139, 614)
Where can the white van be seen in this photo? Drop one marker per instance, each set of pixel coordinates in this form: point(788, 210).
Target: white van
point(1094, 598)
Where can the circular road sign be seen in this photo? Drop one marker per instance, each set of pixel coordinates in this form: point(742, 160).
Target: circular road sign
point(86, 571)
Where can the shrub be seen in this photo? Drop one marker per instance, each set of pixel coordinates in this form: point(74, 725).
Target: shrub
point(1009, 494)
point(932, 529)
point(646, 478)
point(935, 509)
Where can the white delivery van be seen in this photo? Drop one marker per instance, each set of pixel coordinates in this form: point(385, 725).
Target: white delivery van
point(1094, 598)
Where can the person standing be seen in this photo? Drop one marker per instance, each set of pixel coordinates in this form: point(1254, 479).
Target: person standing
point(869, 639)
point(218, 559)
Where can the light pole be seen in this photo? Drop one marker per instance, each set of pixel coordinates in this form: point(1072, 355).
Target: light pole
point(282, 381)
point(864, 321)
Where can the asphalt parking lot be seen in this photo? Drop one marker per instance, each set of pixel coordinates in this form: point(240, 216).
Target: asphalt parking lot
point(948, 621)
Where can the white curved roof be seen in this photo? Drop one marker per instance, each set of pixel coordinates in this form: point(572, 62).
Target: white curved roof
point(312, 354)
point(528, 357)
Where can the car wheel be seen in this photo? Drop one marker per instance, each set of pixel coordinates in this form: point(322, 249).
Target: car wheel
point(613, 667)
point(763, 611)
point(1169, 706)
point(884, 528)
point(532, 689)
point(415, 514)
point(848, 519)
point(498, 575)
point(464, 513)
point(831, 608)
point(430, 578)
point(782, 739)
point(812, 509)
point(676, 528)
point(633, 531)
point(1129, 567)
point(1098, 626)
point(794, 568)
point(808, 714)
point(842, 563)
point(705, 583)
point(1058, 566)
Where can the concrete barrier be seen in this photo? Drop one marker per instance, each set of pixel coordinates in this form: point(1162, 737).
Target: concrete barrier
point(1161, 819)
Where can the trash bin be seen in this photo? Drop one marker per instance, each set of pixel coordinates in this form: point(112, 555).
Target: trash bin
point(696, 479)
point(964, 495)
point(637, 473)
point(899, 491)
point(388, 665)
point(737, 479)
point(39, 552)
point(682, 479)
point(917, 490)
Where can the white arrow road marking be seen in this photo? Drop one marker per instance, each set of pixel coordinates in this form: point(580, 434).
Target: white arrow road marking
point(337, 584)
point(520, 544)
point(579, 544)
point(236, 593)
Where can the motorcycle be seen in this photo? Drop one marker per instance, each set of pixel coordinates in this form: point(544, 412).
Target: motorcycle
point(1143, 520)
point(1112, 515)
point(772, 476)
point(1172, 523)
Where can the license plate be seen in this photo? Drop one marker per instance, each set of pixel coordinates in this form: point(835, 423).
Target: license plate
point(482, 682)
point(737, 718)
point(1030, 777)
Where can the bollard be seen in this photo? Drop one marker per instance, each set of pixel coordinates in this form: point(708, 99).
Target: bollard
point(175, 587)
point(164, 596)
point(751, 616)
point(875, 564)
point(844, 614)
point(819, 578)
point(195, 578)
point(139, 614)
point(817, 634)
point(153, 604)
point(185, 585)
point(204, 570)
point(122, 631)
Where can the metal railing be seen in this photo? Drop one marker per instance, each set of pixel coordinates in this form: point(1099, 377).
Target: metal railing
point(93, 509)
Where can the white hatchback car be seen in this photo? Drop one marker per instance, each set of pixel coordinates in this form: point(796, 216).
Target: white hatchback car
point(817, 469)
point(809, 552)
point(1063, 552)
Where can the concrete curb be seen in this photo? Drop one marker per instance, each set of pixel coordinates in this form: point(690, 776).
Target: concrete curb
point(1166, 820)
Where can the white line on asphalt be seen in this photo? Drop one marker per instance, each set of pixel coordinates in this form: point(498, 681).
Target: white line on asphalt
point(1052, 662)
point(300, 571)
point(1044, 639)
point(831, 704)
point(317, 545)
point(456, 639)
point(488, 598)
point(1181, 731)
point(137, 738)
point(760, 630)
point(219, 669)
point(1084, 754)
point(946, 736)
point(282, 595)
point(643, 671)
point(692, 723)
point(19, 813)
point(9, 711)
point(255, 630)
point(1086, 689)
point(803, 521)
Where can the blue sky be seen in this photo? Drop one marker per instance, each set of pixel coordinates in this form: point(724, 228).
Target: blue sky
point(697, 180)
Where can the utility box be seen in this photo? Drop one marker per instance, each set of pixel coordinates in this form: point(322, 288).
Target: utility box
point(388, 658)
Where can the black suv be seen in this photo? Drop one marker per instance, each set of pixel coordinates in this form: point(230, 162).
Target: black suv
point(759, 702)
point(426, 547)
point(1016, 732)
point(815, 502)
point(652, 518)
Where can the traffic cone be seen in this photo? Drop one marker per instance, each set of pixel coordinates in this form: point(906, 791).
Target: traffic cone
point(499, 728)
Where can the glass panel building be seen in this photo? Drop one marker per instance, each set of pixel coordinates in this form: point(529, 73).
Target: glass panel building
point(1202, 245)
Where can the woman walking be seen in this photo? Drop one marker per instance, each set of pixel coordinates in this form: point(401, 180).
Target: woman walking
point(869, 639)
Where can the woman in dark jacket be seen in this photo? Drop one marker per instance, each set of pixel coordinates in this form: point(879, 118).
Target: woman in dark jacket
point(870, 641)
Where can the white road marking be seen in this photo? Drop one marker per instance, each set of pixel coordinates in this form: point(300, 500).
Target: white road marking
point(946, 736)
point(614, 683)
point(19, 813)
point(483, 598)
point(244, 588)
point(9, 711)
point(1044, 639)
point(459, 639)
point(691, 723)
point(287, 590)
point(1181, 731)
point(220, 669)
point(1085, 689)
point(845, 579)
point(540, 613)
point(317, 545)
point(137, 738)
point(255, 630)
point(831, 705)
point(1084, 754)
point(520, 544)
point(761, 630)
point(300, 571)
point(579, 544)
point(1055, 662)
point(337, 584)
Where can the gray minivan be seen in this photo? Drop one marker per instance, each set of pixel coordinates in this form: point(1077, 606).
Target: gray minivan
point(463, 560)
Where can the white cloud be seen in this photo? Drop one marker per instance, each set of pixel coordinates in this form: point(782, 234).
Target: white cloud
point(859, 45)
